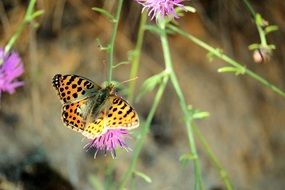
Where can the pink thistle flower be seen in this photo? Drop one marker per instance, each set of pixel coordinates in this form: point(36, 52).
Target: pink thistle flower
point(161, 7)
point(109, 141)
point(11, 67)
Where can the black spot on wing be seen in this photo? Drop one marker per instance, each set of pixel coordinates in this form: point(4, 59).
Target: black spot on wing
point(75, 95)
point(124, 106)
point(79, 81)
point(73, 86)
point(129, 111)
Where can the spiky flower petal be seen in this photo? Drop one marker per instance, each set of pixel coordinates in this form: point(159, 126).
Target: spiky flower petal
point(109, 141)
point(161, 7)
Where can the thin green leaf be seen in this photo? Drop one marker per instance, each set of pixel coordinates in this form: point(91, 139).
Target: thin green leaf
point(236, 70)
point(271, 28)
point(185, 158)
point(150, 83)
point(271, 46)
point(201, 115)
point(197, 114)
point(227, 69)
point(172, 23)
point(181, 10)
point(144, 176)
point(190, 9)
point(37, 13)
point(152, 28)
point(254, 46)
point(104, 13)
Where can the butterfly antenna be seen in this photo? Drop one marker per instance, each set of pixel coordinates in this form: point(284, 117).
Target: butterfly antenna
point(135, 78)
point(105, 69)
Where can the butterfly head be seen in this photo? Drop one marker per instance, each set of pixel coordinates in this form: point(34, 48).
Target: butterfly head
point(111, 88)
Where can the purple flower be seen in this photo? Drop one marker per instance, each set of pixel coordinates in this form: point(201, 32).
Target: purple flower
point(109, 141)
point(161, 7)
point(11, 67)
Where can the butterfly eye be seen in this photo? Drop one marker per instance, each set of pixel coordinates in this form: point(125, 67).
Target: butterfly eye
point(114, 91)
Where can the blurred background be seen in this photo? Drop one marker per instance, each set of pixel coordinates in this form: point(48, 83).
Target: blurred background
point(245, 129)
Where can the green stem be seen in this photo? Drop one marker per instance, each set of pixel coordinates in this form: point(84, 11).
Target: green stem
point(113, 38)
point(228, 60)
point(224, 175)
point(20, 29)
point(262, 36)
point(27, 19)
point(143, 133)
point(183, 105)
point(136, 57)
point(259, 27)
point(249, 7)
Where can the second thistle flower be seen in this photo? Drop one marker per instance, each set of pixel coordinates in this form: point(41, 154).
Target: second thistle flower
point(11, 67)
point(161, 7)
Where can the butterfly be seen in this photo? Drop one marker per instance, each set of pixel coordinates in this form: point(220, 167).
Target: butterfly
point(90, 109)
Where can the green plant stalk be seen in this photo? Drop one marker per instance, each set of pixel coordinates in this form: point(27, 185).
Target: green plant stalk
point(136, 57)
point(133, 183)
point(249, 7)
point(26, 20)
point(227, 59)
point(109, 183)
point(143, 133)
point(261, 33)
point(113, 39)
point(183, 105)
point(259, 28)
point(224, 175)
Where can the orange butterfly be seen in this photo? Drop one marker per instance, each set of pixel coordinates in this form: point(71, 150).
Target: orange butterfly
point(90, 109)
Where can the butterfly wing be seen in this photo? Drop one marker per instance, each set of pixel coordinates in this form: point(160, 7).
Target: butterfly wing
point(76, 93)
point(95, 128)
point(79, 96)
point(72, 88)
point(120, 114)
point(116, 113)
point(74, 115)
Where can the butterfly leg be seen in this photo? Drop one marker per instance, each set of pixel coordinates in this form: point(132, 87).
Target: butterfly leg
point(89, 145)
point(113, 153)
point(95, 155)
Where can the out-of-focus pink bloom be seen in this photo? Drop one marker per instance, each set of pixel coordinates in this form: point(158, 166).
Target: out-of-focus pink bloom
point(11, 67)
point(161, 7)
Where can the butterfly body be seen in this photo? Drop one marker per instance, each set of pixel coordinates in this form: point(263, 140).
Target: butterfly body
point(92, 110)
